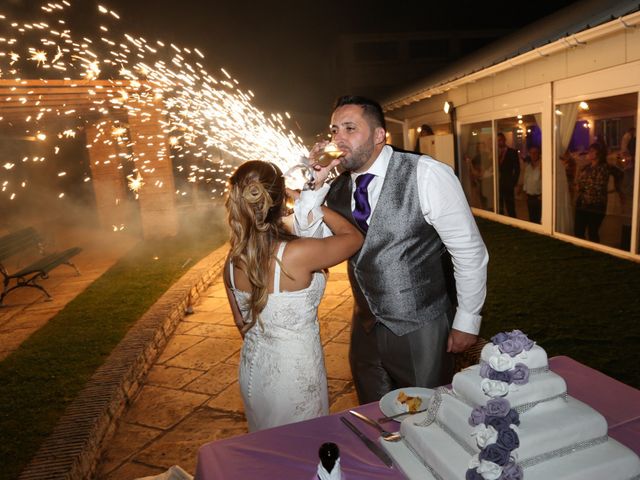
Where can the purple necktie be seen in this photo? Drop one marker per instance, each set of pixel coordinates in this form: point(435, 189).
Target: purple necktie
point(363, 209)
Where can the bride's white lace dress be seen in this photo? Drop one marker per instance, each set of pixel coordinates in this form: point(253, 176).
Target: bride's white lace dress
point(282, 373)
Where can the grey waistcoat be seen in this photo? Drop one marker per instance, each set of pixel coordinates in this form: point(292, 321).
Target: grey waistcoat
point(397, 277)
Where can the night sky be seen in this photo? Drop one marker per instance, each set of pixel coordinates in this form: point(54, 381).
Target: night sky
point(280, 49)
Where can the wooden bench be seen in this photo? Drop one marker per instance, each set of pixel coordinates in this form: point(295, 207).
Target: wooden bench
point(20, 242)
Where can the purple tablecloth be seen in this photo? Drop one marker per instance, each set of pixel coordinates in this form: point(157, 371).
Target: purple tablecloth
point(619, 403)
point(291, 451)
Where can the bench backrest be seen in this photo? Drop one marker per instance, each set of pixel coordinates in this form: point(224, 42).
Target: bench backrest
point(18, 241)
point(48, 263)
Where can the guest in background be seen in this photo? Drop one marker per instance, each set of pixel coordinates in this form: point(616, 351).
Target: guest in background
point(625, 142)
point(626, 192)
point(532, 185)
point(509, 173)
point(425, 131)
point(591, 196)
point(570, 169)
point(476, 173)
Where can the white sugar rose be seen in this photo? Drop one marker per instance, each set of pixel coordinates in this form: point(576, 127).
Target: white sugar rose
point(485, 435)
point(493, 350)
point(494, 388)
point(489, 470)
point(502, 362)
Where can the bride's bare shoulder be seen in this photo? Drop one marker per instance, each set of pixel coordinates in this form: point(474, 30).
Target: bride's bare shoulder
point(299, 249)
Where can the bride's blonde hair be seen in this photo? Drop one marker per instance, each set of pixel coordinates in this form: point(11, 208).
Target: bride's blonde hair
point(255, 206)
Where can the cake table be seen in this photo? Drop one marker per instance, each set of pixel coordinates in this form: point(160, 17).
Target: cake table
point(291, 451)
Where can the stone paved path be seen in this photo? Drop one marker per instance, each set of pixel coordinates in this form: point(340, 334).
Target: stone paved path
point(191, 395)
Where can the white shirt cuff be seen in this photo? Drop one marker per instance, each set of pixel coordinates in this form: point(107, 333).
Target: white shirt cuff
point(467, 322)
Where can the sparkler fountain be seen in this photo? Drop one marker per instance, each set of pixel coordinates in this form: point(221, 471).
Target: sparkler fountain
point(145, 108)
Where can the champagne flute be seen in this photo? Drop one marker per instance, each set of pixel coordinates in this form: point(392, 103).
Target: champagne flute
point(330, 153)
point(323, 159)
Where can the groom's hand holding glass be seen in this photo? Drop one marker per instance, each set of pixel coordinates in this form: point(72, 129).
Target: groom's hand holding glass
point(323, 158)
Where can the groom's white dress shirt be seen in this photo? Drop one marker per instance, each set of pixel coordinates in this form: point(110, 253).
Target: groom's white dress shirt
point(445, 207)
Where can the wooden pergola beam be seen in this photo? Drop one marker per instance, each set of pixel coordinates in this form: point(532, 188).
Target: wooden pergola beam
point(24, 98)
point(70, 83)
point(55, 90)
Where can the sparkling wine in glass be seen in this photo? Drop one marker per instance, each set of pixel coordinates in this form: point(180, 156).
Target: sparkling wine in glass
point(330, 153)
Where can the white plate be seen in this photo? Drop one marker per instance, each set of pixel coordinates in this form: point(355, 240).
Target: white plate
point(390, 406)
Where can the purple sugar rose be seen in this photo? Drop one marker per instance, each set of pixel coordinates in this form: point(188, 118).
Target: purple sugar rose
point(508, 438)
point(485, 369)
point(502, 376)
point(472, 474)
point(520, 374)
point(512, 471)
point(498, 407)
point(498, 338)
point(526, 343)
point(477, 416)
point(513, 417)
point(512, 346)
point(495, 453)
point(499, 423)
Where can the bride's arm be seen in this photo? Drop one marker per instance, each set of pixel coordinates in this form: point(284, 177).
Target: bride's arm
point(319, 253)
point(233, 303)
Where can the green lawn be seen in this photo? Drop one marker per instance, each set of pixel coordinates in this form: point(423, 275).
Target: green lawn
point(573, 301)
point(49, 369)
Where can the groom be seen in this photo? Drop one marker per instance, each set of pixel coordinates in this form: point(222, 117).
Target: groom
point(414, 214)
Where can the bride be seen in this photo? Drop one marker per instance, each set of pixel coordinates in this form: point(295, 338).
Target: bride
point(274, 283)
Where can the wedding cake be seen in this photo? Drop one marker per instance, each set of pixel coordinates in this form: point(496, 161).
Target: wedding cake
point(510, 418)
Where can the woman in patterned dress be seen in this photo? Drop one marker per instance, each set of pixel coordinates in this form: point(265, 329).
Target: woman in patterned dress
point(591, 198)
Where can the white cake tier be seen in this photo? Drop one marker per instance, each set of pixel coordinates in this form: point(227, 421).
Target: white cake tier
point(610, 460)
point(541, 387)
point(534, 358)
point(549, 428)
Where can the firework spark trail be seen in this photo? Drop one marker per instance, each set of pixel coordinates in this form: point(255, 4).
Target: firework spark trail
point(199, 114)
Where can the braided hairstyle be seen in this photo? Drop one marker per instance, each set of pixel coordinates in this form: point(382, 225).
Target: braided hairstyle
point(255, 206)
